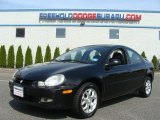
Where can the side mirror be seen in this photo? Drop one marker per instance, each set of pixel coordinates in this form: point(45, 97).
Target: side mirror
point(114, 62)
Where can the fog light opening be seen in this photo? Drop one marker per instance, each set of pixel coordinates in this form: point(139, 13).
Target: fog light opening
point(46, 100)
point(41, 84)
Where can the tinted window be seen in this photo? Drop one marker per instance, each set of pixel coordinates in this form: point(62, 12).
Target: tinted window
point(20, 32)
point(134, 57)
point(83, 54)
point(114, 34)
point(60, 33)
point(118, 54)
point(94, 56)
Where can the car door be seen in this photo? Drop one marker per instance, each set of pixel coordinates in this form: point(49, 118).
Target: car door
point(136, 68)
point(116, 77)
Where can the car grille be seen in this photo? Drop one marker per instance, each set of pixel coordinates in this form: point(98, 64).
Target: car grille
point(24, 82)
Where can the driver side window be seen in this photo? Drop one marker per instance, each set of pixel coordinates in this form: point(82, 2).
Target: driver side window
point(118, 54)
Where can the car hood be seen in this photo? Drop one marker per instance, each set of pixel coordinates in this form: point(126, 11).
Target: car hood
point(44, 70)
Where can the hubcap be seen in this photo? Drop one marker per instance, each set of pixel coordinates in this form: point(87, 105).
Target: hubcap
point(148, 87)
point(89, 100)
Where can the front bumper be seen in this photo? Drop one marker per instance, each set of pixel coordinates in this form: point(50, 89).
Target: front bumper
point(35, 95)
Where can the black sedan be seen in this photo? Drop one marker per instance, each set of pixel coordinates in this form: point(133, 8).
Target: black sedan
point(82, 78)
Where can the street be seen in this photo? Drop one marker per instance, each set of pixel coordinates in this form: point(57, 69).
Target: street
point(129, 107)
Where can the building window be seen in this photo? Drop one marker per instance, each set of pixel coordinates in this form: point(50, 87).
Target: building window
point(20, 32)
point(60, 32)
point(114, 34)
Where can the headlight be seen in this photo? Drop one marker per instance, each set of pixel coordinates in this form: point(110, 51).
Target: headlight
point(55, 80)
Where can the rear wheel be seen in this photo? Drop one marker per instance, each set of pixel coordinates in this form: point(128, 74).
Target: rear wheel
point(146, 89)
point(86, 100)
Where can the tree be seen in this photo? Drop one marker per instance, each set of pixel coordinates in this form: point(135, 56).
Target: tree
point(39, 57)
point(28, 57)
point(143, 55)
point(31, 58)
point(3, 57)
point(19, 58)
point(56, 53)
point(155, 63)
point(47, 57)
point(11, 57)
point(67, 49)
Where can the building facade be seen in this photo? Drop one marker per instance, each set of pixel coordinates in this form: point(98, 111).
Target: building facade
point(70, 28)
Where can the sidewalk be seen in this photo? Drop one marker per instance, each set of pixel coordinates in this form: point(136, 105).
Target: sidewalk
point(7, 70)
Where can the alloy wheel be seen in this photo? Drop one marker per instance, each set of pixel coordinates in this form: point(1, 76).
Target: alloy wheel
point(148, 87)
point(89, 101)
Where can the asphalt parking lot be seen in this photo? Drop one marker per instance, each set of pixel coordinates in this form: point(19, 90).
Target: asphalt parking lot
point(129, 107)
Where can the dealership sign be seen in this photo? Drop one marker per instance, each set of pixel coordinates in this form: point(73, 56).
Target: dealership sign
point(90, 16)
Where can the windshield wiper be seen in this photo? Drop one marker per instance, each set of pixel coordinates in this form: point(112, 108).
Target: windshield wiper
point(55, 60)
point(72, 61)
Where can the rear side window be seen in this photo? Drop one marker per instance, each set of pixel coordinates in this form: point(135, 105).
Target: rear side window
point(134, 57)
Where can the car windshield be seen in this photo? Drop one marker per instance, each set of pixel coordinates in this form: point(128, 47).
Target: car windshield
point(83, 55)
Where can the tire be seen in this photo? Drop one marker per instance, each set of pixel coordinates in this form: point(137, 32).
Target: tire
point(86, 100)
point(146, 89)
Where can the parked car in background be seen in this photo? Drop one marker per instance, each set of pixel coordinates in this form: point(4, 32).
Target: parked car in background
point(82, 78)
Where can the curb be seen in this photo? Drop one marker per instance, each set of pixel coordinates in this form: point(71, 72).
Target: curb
point(7, 69)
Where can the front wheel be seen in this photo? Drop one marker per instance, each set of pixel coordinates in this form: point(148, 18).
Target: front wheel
point(86, 100)
point(146, 89)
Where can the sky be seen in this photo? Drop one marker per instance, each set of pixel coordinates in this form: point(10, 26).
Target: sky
point(153, 5)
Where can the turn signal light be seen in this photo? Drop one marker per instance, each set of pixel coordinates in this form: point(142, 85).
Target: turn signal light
point(67, 91)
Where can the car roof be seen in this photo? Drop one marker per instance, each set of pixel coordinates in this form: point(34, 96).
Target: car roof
point(105, 45)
